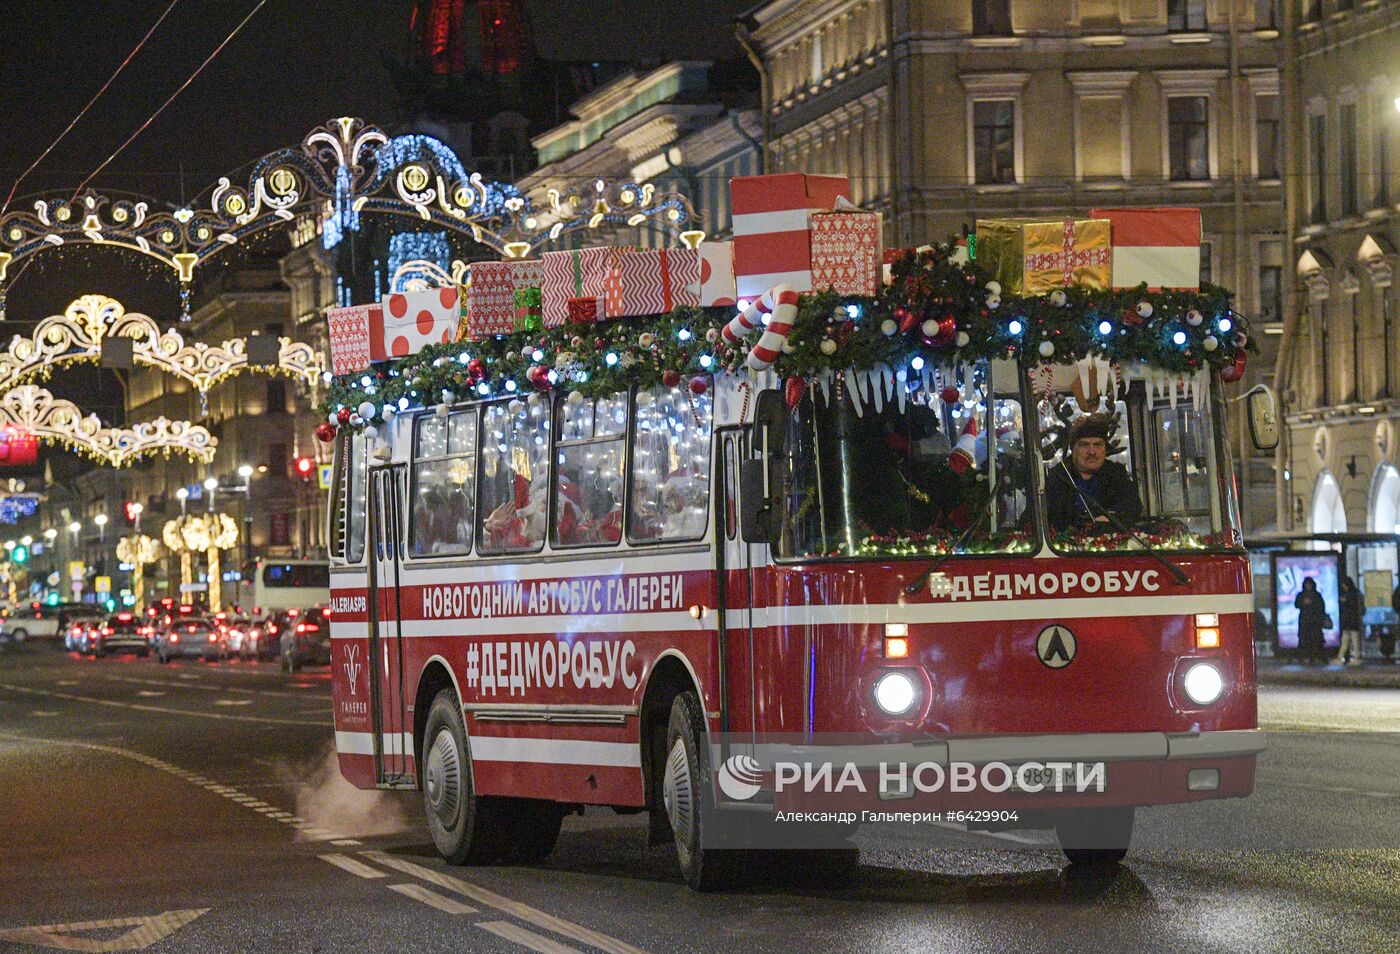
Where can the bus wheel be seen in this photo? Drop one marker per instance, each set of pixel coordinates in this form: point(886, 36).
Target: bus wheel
point(466, 828)
point(685, 789)
point(534, 828)
point(1095, 836)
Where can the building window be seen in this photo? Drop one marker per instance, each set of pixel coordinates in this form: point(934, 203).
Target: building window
point(277, 458)
point(991, 17)
point(1268, 135)
point(994, 141)
point(1188, 137)
point(1207, 263)
point(1317, 165)
point(1270, 291)
point(1380, 153)
point(1266, 14)
point(277, 397)
point(1186, 15)
point(1348, 158)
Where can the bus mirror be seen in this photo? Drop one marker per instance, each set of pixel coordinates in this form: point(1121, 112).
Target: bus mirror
point(753, 505)
point(1261, 408)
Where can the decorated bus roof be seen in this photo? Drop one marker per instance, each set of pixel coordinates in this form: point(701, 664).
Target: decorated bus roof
point(935, 312)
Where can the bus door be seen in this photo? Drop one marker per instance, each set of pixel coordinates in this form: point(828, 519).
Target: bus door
point(735, 574)
point(386, 529)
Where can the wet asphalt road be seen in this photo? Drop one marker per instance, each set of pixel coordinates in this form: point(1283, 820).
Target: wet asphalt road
point(197, 807)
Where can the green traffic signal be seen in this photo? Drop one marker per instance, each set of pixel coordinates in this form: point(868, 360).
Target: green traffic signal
point(20, 554)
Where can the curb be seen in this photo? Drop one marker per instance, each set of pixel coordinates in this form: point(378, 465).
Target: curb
point(1379, 676)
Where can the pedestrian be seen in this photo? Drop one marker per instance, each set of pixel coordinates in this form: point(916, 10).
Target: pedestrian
point(1312, 620)
point(1349, 648)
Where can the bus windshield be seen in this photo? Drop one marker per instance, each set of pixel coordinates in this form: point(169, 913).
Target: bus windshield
point(870, 475)
point(1165, 478)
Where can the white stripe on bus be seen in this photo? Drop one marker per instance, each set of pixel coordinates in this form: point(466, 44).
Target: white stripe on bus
point(943, 612)
point(493, 748)
point(634, 563)
point(362, 743)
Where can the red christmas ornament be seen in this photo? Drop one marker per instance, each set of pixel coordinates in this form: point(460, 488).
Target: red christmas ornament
point(343, 415)
point(699, 384)
point(670, 377)
point(325, 432)
point(907, 320)
point(949, 395)
point(794, 391)
point(539, 377)
point(947, 330)
point(476, 369)
point(1130, 317)
point(1235, 370)
point(599, 342)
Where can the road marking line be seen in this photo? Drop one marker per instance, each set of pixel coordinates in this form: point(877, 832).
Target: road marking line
point(515, 909)
point(432, 899)
point(358, 868)
point(518, 934)
point(43, 713)
point(344, 842)
point(233, 702)
point(167, 711)
point(144, 932)
point(148, 693)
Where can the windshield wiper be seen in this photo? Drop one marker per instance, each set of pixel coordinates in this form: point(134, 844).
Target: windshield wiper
point(914, 587)
point(1177, 573)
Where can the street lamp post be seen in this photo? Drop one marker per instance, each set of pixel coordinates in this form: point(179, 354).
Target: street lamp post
point(211, 484)
point(246, 472)
point(101, 521)
point(136, 509)
point(182, 495)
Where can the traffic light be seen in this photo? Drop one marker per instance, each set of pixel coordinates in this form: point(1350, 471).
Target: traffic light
point(129, 509)
point(20, 554)
point(305, 468)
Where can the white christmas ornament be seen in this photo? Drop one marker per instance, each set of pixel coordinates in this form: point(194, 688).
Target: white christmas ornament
point(993, 301)
point(963, 339)
point(1058, 298)
point(647, 339)
point(366, 410)
point(888, 326)
point(828, 346)
point(440, 410)
point(448, 397)
point(1210, 343)
point(516, 406)
point(1144, 309)
point(929, 327)
point(333, 418)
point(1046, 349)
point(994, 288)
point(575, 398)
point(1194, 318)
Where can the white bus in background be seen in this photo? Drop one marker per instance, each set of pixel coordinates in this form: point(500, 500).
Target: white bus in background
point(269, 584)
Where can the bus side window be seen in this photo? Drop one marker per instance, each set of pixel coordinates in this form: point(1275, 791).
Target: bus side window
point(670, 485)
point(348, 524)
point(443, 487)
point(513, 474)
point(588, 471)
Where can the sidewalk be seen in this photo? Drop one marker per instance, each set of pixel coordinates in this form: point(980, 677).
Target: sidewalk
point(1370, 675)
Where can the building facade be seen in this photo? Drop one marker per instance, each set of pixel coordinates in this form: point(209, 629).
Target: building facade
point(946, 111)
point(1339, 368)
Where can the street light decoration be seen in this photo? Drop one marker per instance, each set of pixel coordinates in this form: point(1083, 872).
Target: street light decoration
point(339, 172)
point(202, 533)
point(77, 335)
point(138, 550)
point(56, 421)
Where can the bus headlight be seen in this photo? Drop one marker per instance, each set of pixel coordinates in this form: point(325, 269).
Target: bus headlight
point(895, 693)
point(1203, 684)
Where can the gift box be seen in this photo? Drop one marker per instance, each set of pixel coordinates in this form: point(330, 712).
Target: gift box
point(578, 273)
point(584, 311)
point(529, 309)
point(1160, 248)
point(491, 296)
point(1035, 257)
point(352, 345)
point(653, 281)
point(413, 320)
point(772, 242)
point(846, 251)
point(716, 282)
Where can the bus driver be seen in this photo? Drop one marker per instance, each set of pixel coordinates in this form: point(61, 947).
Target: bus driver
point(1089, 486)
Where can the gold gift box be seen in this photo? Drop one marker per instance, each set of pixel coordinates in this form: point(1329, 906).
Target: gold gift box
point(1034, 257)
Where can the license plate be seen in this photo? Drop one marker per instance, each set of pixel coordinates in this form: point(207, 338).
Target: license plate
point(1042, 779)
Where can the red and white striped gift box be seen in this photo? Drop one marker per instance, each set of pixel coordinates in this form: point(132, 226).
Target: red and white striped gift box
point(413, 320)
point(491, 295)
point(352, 348)
point(655, 280)
point(772, 244)
point(1158, 247)
point(578, 273)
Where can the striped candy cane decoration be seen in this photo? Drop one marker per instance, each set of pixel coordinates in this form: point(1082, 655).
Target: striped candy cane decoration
point(780, 323)
point(751, 317)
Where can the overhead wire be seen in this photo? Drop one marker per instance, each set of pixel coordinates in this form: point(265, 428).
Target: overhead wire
point(84, 111)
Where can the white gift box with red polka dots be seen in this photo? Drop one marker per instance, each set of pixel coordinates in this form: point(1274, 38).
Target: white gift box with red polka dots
point(413, 320)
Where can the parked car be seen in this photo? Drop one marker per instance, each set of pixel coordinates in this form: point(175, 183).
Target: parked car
point(40, 621)
point(190, 637)
point(307, 641)
point(75, 633)
point(120, 632)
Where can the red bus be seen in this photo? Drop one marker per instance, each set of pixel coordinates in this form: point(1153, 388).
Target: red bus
point(556, 602)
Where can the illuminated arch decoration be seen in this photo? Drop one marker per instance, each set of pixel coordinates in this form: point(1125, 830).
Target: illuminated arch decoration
point(78, 333)
point(339, 171)
point(55, 421)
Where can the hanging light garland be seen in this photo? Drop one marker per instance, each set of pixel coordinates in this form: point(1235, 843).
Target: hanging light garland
point(34, 410)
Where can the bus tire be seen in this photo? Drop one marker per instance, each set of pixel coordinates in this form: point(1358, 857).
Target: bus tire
point(535, 828)
point(687, 795)
point(1095, 837)
point(467, 828)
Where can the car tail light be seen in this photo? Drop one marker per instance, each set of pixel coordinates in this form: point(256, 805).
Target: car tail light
point(1207, 630)
point(106, 631)
point(174, 637)
point(213, 637)
point(326, 612)
point(190, 628)
point(302, 627)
